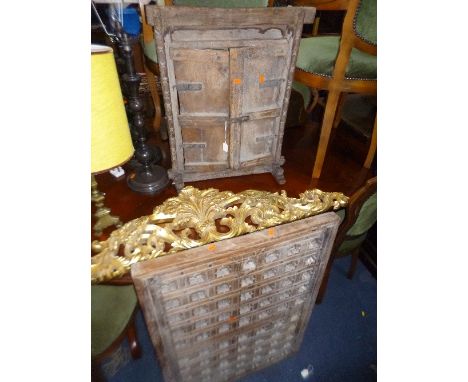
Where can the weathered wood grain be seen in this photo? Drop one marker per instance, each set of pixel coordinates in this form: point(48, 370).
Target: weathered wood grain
point(234, 18)
point(226, 76)
point(223, 310)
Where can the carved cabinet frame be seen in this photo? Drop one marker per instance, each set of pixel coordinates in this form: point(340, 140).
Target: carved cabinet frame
point(226, 78)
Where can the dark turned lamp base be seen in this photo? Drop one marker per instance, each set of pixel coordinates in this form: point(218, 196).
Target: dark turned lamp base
point(156, 153)
point(146, 176)
point(148, 182)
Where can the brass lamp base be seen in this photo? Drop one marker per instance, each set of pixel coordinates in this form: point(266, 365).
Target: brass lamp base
point(103, 217)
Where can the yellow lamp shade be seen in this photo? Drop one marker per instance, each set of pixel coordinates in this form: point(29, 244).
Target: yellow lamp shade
point(111, 143)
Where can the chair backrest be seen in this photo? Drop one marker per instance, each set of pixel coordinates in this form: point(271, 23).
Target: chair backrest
point(359, 28)
point(361, 213)
point(349, 40)
point(365, 21)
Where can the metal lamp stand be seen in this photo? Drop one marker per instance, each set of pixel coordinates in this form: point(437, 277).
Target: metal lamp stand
point(146, 177)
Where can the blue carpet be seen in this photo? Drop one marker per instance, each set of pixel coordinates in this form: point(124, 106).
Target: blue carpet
point(340, 343)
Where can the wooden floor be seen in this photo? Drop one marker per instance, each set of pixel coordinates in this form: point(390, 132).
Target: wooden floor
point(342, 171)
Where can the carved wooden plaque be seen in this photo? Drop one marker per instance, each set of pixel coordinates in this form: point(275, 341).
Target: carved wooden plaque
point(220, 311)
point(226, 76)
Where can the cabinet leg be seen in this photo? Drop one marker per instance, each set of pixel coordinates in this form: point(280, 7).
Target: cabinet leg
point(177, 179)
point(278, 173)
point(178, 183)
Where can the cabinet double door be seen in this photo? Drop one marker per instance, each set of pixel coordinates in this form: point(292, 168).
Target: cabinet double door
point(229, 105)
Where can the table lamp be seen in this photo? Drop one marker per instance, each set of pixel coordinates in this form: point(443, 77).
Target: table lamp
point(111, 143)
point(146, 176)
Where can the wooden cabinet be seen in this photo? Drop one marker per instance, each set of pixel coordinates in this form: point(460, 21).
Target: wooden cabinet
point(226, 76)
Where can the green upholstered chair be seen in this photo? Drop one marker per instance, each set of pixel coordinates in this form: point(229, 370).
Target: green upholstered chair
point(149, 46)
point(358, 217)
point(112, 320)
point(340, 64)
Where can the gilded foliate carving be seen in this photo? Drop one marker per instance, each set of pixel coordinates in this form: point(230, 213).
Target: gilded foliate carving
point(197, 217)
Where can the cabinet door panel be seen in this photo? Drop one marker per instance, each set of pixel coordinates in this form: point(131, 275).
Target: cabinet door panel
point(202, 85)
point(264, 77)
point(256, 144)
point(256, 106)
point(203, 143)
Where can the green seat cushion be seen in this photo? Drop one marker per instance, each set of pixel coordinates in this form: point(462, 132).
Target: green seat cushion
point(352, 243)
point(223, 3)
point(111, 310)
point(365, 220)
point(149, 50)
point(365, 24)
point(341, 213)
point(367, 217)
point(317, 55)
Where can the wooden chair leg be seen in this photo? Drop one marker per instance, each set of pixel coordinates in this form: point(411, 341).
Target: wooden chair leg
point(354, 262)
point(315, 26)
point(156, 100)
point(163, 130)
point(96, 372)
point(324, 284)
point(135, 349)
point(339, 110)
point(314, 101)
point(373, 146)
point(328, 118)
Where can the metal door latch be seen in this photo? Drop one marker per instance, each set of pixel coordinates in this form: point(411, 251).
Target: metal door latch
point(243, 118)
point(188, 87)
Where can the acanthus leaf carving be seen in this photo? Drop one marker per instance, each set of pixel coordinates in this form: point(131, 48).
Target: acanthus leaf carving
point(197, 217)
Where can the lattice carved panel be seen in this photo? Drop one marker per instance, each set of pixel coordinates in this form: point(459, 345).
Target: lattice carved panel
point(223, 310)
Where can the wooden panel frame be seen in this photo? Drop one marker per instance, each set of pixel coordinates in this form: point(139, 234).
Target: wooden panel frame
point(254, 22)
point(260, 288)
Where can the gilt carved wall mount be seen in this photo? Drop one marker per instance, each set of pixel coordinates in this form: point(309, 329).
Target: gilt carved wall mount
point(197, 217)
